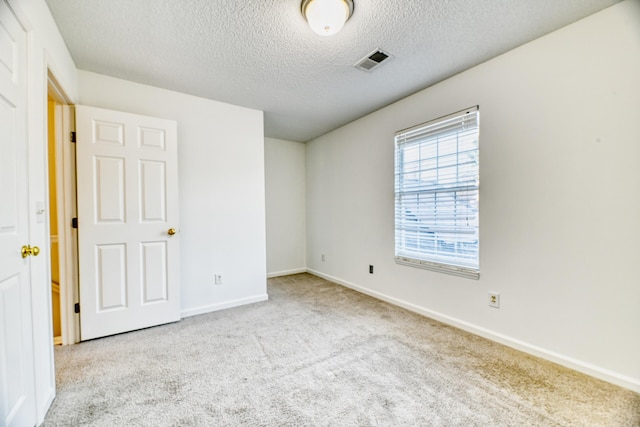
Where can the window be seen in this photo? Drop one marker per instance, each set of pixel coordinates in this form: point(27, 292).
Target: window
point(436, 186)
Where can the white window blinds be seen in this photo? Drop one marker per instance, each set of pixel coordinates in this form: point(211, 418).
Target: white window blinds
point(436, 194)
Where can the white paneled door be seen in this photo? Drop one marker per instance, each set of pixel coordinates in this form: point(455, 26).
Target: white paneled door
point(17, 392)
point(128, 232)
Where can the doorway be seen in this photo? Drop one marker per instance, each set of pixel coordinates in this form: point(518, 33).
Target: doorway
point(62, 209)
point(53, 223)
point(112, 303)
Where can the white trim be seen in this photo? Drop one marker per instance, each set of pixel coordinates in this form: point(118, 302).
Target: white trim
point(286, 272)
point(221, 306)
point(568, 362)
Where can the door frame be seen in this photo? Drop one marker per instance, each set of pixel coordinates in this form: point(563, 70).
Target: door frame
point(65, 175)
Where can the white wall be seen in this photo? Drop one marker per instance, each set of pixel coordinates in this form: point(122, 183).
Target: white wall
point(285, 197)
point(46, 52)
point(221, 184)
point(560, 145)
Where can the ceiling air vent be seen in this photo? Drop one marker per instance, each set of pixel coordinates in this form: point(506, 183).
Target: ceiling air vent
point(372, 60)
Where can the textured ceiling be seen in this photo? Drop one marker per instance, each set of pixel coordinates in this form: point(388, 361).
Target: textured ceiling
point(261, 53)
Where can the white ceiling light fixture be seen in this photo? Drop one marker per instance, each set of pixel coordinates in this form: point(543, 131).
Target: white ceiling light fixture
point(327, 17)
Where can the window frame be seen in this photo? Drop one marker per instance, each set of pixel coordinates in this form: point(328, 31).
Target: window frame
point(427, 136)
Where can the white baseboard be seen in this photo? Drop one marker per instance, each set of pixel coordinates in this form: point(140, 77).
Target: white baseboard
point(221, 306)
point(569, 362)
point(286, 273)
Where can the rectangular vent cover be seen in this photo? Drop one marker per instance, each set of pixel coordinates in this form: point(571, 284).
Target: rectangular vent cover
point(372, 60)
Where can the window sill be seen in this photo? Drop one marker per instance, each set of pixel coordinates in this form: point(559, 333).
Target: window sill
point(454, 270)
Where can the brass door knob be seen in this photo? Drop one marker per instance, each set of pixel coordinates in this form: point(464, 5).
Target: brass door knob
point(171, 231)
point(29, 251)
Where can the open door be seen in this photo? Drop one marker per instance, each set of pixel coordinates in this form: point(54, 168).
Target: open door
point(128, 231)
point(17, 392)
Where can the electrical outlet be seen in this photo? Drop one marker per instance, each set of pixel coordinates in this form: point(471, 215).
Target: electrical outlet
point(322, 258)
point(371, 269)
point(218, 279)
point(494, 300)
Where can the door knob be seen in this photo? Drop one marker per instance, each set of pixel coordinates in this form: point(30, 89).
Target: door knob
point(30, 251)
point(171, 231)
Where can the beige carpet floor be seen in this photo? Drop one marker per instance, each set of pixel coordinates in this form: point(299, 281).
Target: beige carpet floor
point(318, 354)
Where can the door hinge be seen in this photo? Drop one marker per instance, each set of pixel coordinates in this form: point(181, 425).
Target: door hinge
point(72, 137)
point(74, 222)
point(76, 308)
